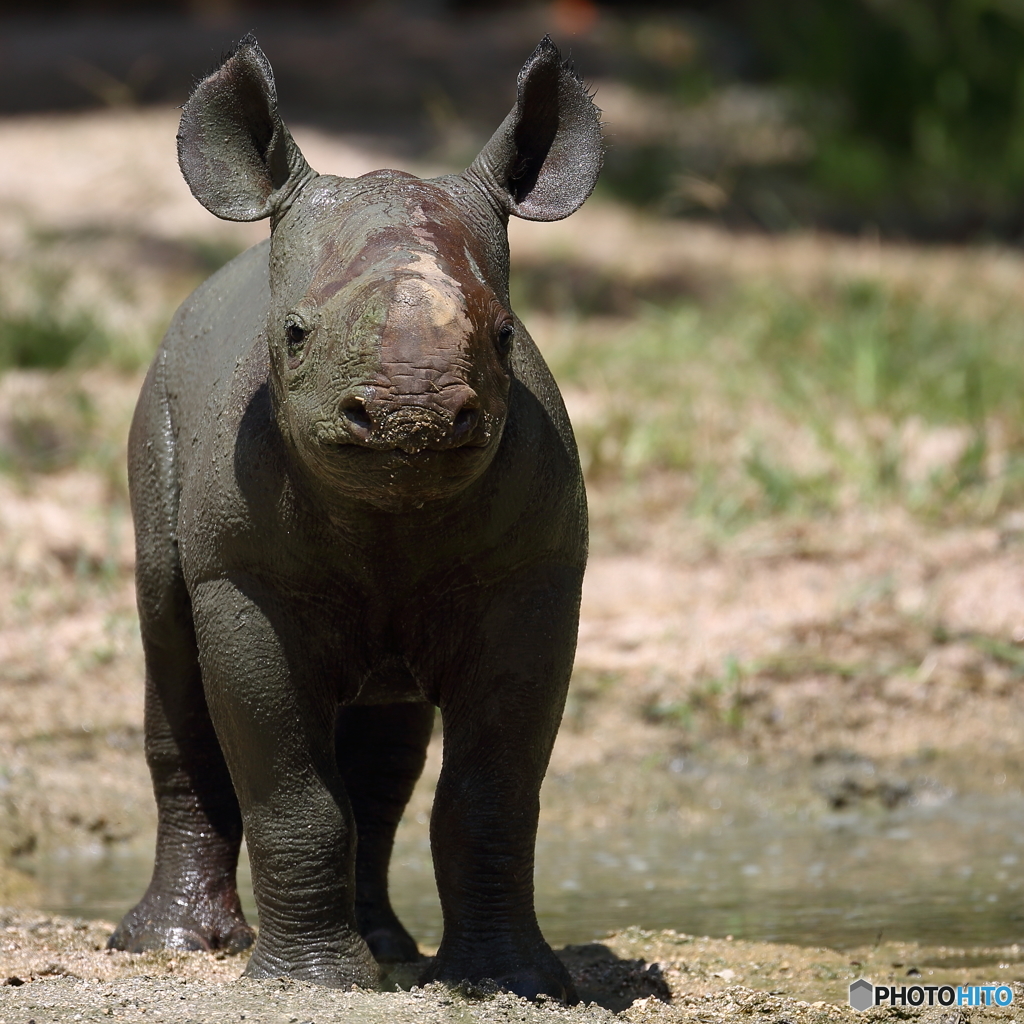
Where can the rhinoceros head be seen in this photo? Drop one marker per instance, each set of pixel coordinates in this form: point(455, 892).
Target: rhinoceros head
point(390, 330)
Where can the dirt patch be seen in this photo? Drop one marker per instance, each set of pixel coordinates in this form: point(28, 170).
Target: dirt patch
point(57, 969)
point(875, 632)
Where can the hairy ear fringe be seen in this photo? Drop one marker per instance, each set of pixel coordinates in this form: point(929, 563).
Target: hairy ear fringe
point(235, 152)
point(543, 161)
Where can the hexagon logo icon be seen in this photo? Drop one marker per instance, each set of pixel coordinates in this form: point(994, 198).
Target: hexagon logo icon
point(862, 994)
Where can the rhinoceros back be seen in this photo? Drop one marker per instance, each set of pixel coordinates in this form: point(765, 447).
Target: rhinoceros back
point(213, 330)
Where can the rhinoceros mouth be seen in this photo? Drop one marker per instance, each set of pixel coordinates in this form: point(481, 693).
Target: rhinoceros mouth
point(395, 478)
point(410, 432)
point(405, 456)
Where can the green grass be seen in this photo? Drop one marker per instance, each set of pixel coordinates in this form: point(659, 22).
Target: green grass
point(51, 320)
point(81, 313)
point(716, 701)
point(772, 401)
point(44, 332)
point(47, 331)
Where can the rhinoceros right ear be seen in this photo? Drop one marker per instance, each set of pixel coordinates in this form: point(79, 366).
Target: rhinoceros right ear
point(543, 161)
point(237, 156)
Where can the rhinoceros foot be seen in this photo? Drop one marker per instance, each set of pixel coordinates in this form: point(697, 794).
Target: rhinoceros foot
point(164, 924)
point(392, 945)
point(334, 964)
point(546, 976)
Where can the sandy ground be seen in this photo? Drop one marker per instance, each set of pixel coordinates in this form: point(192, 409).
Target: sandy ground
point(868, 640)
point(57, 969)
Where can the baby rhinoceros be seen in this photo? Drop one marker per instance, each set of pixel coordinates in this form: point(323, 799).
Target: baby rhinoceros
point(357, 498)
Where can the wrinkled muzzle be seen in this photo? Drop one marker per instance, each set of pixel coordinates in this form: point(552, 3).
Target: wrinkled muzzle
point(449, 418)
point(397, 452)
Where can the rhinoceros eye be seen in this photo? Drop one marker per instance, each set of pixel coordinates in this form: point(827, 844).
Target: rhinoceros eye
point(295, 333)
point(506, 332)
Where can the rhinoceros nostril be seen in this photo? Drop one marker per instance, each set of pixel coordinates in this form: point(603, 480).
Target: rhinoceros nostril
point(465, 421)
point(359, 421)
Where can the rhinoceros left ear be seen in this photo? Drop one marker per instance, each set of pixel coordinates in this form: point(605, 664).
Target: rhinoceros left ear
point(543, 161)
point(237, 156)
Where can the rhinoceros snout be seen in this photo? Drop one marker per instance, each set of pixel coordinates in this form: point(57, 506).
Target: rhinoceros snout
point(449, 418)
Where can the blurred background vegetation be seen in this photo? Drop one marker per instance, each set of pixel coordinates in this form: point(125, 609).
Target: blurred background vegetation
point(908, 114)
point(904, 116)
point(759, 391)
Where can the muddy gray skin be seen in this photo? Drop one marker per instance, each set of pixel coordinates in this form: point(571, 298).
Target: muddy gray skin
point(357, 498)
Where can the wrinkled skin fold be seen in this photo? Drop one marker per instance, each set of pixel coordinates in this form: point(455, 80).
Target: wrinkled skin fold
point(357, 500)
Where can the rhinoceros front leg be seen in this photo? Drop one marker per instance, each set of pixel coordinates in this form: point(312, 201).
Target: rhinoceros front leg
point(275, 720)
point(500, 717)
point(191, 902)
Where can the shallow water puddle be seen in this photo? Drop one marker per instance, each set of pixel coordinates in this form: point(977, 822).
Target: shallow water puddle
point(945, 875)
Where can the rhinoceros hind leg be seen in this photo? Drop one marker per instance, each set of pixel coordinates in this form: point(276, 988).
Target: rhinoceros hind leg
point(380, 751)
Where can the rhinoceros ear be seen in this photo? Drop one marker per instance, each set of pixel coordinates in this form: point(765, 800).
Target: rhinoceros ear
point(237, 156)
point(543, 161)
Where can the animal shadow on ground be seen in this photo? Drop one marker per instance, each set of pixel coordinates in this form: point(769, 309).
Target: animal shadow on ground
point(603, 978)
point(598, 974)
